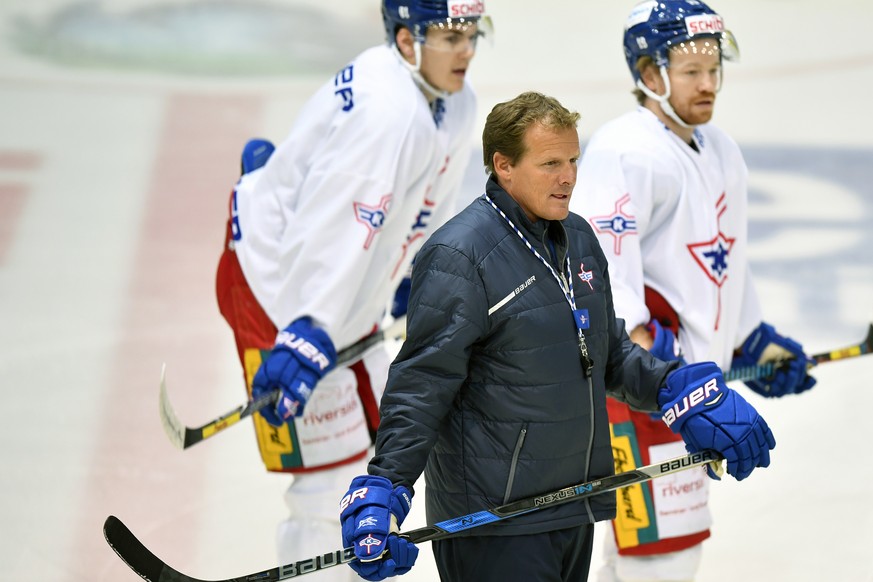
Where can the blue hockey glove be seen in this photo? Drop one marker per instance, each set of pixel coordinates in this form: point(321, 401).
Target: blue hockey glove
point(765, 345)
point(664, 343)
point(255, 154)
point(698, 405)
point(401, 298)
point(369, 513)
point(303, 354)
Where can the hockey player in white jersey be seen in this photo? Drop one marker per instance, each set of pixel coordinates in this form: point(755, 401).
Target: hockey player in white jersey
point(321, 233)
point(666, 192)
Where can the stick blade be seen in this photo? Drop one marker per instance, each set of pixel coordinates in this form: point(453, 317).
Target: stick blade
point(138, 557)
point(174, 429)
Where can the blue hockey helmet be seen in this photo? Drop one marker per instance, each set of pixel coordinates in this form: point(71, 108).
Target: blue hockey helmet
point(655, 26)
point(417, 15)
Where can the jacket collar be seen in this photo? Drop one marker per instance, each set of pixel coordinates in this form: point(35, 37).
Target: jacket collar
point(536, 232)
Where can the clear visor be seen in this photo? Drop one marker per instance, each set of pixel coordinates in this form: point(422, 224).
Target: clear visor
point(724, 44)
point(458, 35)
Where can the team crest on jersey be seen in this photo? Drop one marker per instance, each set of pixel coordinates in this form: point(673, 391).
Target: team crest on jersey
point(586, 276)
point(618, 224)
point(713, 255)
point(373, 217)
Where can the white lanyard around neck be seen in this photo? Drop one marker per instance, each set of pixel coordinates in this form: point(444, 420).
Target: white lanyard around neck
point(565, 283)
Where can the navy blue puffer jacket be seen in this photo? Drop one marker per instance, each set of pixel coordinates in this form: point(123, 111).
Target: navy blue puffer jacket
point(488, 396)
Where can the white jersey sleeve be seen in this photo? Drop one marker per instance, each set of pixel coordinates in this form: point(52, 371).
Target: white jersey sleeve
point(673, 219)
point(326, 227)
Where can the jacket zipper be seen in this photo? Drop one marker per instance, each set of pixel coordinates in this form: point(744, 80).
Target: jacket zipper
point(590, 445)
point(586, 502)
point(514, 463)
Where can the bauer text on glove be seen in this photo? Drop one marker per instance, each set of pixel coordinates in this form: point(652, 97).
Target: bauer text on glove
point(303, 354)
point(698, 405)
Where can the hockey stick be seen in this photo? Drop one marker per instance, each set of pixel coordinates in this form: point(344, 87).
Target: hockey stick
point(184, 436)
point(149, 567)
point(766, 370)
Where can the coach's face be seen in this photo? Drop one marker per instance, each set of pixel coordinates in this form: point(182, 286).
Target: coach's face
point(541, 181)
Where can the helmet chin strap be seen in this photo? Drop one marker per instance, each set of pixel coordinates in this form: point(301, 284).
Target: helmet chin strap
point(663, 100)
point(429, 90)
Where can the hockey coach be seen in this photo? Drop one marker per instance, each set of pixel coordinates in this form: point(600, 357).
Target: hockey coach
point(499, 392)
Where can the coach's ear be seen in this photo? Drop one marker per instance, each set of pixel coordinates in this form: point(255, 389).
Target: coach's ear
point(503, 167)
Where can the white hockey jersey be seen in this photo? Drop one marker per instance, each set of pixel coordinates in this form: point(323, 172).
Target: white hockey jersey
point(675, 220)
point(329, 226)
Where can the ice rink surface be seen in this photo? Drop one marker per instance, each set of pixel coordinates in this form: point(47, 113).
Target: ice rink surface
point(121, 125)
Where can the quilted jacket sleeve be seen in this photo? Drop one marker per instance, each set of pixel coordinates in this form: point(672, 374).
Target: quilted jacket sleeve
point(447, 316)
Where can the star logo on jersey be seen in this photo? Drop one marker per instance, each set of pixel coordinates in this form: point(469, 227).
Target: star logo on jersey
point(373, 217)
point(713, 255)
point(586, 276)
point(618, 224)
